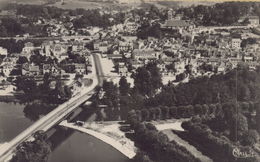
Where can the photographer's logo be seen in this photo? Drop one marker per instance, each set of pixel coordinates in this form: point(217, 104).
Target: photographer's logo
point(238, 153)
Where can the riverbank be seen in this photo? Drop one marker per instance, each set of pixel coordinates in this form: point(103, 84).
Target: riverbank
point(108, 133)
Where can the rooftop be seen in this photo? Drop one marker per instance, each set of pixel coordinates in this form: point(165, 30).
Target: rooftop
point(176, 23)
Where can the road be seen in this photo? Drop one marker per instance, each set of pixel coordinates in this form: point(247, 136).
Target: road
point(100, 73)
point(56, 115)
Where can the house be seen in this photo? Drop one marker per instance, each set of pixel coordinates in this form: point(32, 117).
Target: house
point(122, 69)
point(136, 64)
point(179, 66)
point(131, 27)
point(30, 69)
point(89, 68)
point(63, 56)
point(125, 46)
point(236, 43)
point(34, 70)
point(9, 60)
point(129, 38)
point(46, 68)
point(101, 46)
point(80, 68)
point(77, 46)
point(252, 65)
point(221, 68)
point(25, 69)
point(7, 14)
point(28, 47)
point(46, 48)
point(178, 25)
point(115, 56)
point(7, 68)
point(3, 51)
point(59, 49)
point(253, 20)
point(145, 54)
point(248, 58)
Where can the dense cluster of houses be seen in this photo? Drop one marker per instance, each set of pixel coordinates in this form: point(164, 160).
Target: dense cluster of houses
point(198, 47)
point(49, 55)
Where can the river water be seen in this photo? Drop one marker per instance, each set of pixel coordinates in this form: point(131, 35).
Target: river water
point(68, 145)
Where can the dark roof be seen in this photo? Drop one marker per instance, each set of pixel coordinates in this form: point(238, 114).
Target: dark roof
point(176, 23)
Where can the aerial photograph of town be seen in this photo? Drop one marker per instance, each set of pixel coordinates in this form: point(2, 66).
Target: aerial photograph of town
point(129, 81)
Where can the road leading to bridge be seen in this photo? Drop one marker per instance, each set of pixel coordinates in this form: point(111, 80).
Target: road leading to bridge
point(55, 116)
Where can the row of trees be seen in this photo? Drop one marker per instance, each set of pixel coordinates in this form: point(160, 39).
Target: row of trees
point(11, 45)
point(219, 14)
point(157, 143)
point(234, 120)
point(207, 141)
point(239, 84)
point(10, 27)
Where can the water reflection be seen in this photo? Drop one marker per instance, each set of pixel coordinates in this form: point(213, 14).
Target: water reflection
point(73, 146)
point(12, 120)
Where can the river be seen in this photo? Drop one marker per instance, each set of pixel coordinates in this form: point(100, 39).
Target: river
point(12, 121)
point(68, 145)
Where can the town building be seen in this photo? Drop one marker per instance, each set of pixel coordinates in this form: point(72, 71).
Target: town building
point(80, 68)
point(3, 51)
point(236, 43)
point(145, 54)
point(122, 69)
point(253, 20)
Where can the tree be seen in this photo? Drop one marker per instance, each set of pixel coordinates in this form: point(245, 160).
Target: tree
point(165, 112)
point(238, 126)
point(198, 109)
point(22, 60)
point(257, 106)
point(173, 112)
point(158, 113)
point(188, 69)
point(147, 79)
point(145, 114)
point(37, 150)
point(124, 86)
point(250, 138)
point(141, 157)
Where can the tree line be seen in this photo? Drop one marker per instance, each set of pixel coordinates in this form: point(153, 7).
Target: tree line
point(43, 91)
point(214, 144)
point(239, 84)
point(226, 13)
point(32, 151)
point(157, 144)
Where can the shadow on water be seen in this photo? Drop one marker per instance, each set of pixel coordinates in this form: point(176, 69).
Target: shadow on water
point(61, 134)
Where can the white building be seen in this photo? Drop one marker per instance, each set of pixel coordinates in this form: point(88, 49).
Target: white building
point(3, 51)
point(254, 20)
point(235, 43)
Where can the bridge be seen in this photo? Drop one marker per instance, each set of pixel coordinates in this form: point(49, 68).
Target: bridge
point(55, 116)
